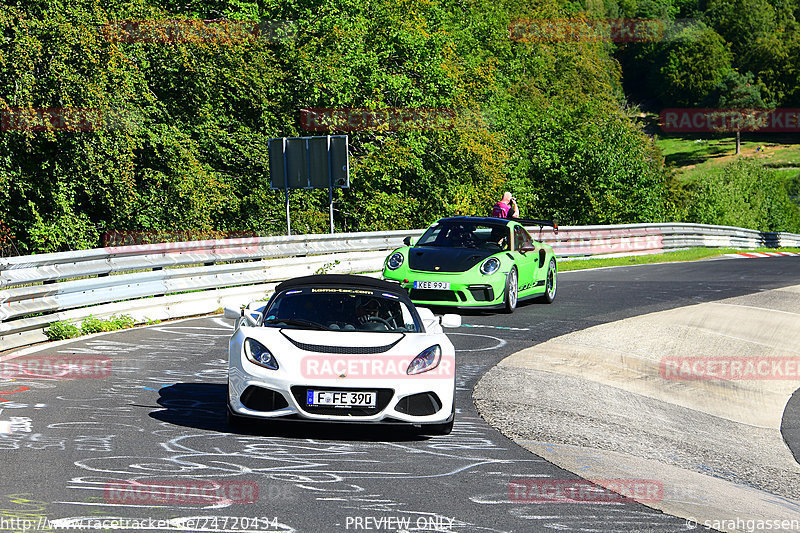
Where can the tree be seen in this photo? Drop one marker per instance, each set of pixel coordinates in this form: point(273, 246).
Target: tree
point(692, 65)
point(740, 95)
point(741, 23)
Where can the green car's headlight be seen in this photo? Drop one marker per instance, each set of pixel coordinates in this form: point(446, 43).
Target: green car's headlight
point(257, 353)
point(394, 261)
point(427, 360)
point(490, 266)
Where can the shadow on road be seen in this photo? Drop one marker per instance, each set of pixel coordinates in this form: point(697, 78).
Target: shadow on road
point(790, 425)
point(203, 406)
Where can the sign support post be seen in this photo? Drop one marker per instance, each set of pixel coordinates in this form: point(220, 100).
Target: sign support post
point(330, 181)
point(286, 188)
point(309, 163)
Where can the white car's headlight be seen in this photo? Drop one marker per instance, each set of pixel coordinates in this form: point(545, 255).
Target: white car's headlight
point(490, 266)
point(427, 360)
point(394, 261)
point(257, 353)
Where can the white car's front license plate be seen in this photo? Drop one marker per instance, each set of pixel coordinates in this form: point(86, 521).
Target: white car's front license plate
point(319, 398)
point(442, 285)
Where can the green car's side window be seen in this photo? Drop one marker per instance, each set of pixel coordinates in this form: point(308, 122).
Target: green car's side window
point(528, 238)
point(519, 238)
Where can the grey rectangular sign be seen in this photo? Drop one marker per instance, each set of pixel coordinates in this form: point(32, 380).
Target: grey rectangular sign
point(309, 162)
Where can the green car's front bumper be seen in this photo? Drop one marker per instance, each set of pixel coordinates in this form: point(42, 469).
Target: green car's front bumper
point(466, 290)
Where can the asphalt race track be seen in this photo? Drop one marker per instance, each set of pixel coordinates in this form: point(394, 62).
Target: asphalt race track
point(71, 449)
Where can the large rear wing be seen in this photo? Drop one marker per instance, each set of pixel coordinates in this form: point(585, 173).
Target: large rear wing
point(541, 223)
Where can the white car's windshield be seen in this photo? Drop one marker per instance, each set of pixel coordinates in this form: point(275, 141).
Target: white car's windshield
point(341, 309)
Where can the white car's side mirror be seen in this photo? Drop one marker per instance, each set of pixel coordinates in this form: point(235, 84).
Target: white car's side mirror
point(450, 320)
point(425, 313)
point(252, 317)
point(232, 314)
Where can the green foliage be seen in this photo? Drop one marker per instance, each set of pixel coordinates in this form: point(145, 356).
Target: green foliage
point(745, 195)
point(694, 64)
point(192, 151)
point(121, 322)
point(742, 23)
point(591, 166)
point(95, 325)
point(737, 91)
point(61, 330)
point(757, 36)
point(324, 269)
point(187, 148)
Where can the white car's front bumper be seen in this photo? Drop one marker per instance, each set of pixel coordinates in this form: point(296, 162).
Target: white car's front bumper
point(258, 392)
point(398, 403)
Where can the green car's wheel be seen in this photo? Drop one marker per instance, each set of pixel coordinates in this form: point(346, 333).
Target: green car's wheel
point(552, 283)
point(511, 291)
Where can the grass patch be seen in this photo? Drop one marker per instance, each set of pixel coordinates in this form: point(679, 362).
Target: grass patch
point(692, 254)
point(64, 330)
point(698, 155)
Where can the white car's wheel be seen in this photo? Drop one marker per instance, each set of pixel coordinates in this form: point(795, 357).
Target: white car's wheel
point(234, 421)
point(440, 429)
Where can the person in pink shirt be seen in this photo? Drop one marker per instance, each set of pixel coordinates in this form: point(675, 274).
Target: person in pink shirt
point(507, 207)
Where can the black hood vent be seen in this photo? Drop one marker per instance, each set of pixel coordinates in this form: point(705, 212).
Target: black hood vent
point(345, 350)
point(428, 258)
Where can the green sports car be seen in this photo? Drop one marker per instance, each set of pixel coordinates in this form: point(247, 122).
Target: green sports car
point(475, 262)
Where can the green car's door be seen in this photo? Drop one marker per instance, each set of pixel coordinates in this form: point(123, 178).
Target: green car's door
point(527, 261)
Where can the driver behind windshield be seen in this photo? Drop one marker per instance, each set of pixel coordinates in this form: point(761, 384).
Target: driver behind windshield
point(500, 237)
point(377, 314)
point(367, 310)
point(340, 309)
point(458, 235)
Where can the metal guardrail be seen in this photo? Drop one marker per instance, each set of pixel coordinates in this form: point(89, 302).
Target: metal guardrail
point(169, 280)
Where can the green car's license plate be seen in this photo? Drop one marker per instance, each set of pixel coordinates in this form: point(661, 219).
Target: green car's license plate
point(442, 285)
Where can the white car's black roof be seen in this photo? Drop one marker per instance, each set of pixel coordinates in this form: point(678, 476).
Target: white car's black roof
point(344, 280)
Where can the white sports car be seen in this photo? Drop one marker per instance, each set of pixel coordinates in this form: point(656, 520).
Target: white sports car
point(342, 348)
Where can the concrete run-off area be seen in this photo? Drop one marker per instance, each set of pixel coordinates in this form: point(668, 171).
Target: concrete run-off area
point(692, 397)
